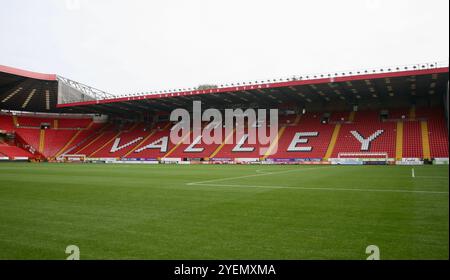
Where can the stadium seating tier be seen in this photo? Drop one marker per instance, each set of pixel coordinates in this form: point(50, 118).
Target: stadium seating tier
point(422, 131)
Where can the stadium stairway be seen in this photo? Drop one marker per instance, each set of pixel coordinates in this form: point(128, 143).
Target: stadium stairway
point(41, 141)
point(425, 140)
point(351, 117)
point(399, 141)
point(333, 141)
point(15, 121)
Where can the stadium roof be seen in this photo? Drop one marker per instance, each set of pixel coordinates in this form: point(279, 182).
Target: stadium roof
point(29, 91)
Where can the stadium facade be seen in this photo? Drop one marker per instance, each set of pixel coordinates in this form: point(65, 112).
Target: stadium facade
point(393, 115)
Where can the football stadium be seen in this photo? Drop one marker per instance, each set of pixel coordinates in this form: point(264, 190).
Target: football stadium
point(355, 167)
point(362, 159)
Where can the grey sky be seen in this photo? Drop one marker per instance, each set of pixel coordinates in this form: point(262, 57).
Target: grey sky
point(133, 46)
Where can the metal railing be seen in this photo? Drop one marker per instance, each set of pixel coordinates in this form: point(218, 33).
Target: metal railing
point(96, 94)
point(102, 95)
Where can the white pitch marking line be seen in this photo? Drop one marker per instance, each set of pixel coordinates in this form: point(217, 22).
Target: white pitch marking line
point(255, 175)
point(318, 189)
point(432, 177)
point(412, 173)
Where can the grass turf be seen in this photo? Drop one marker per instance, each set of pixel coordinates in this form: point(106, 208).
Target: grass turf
point(243, 212)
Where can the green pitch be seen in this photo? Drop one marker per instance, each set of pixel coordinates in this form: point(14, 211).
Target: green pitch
point(223, 212)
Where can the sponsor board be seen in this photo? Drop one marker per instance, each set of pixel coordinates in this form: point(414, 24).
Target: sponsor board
point(440, 161)
point(221, 159)
point(20, 158)
point(136, 162)
point(219, 162)
point(296, 161)
point(315, 162)
point(247, 160)
point(346, 161)
point(101, 160)
point(374, 162)
point(171, 160)
point(308, 159)
point(71, 158)
point(409, 161)
point(138, 159)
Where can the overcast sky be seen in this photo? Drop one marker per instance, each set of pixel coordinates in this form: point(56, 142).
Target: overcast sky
point(140, 45)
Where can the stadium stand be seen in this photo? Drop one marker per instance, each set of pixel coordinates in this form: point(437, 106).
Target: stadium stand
point(6, 122)
point(412, 140)
point(300, 136)
point(366, 125)
point(337, 117)
point(13, 151)
point(399, 113)
point(195, 151)
point(155, 145)
point(35, 122)
point(74, 123)
point(30, 136)
point(438, 134)
point(315, 144)
point(122, 142)
point(55, 140)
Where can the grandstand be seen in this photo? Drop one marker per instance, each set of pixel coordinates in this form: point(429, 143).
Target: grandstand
point(227, 200)
point(396, 114)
